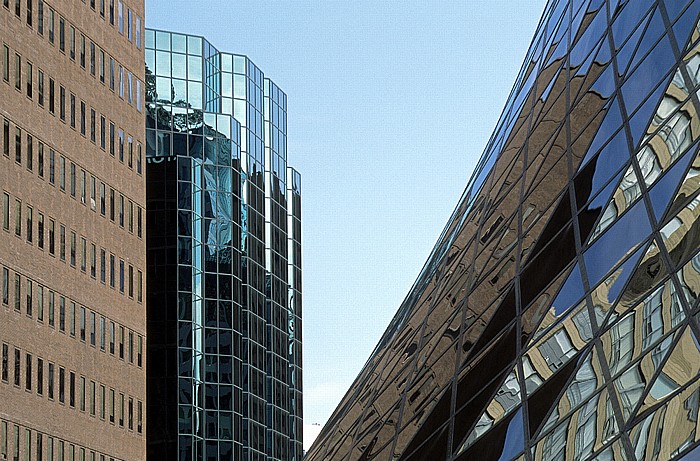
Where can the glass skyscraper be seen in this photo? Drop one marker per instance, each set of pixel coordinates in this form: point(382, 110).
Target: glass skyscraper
point(224, 258)
point(557, 317)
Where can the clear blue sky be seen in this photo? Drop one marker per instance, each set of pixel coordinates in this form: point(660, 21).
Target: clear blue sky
point(390, 104)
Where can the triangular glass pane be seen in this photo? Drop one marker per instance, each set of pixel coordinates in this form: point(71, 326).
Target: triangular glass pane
point(663, 190)
point(616, 243)
point(683, 365)
point(639, 122)
point(688, 189)
point(611, 123)
point(683, 27)
point(588, 379)
point(627, 51)
point(654, 29)
point(628, 19)
point(674, 8)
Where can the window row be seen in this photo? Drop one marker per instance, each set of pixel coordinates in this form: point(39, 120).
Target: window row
point(75, 111)
point(90, 57)
point(80, 249)
point(92, 328)
point(22, 443)
point(87, 395)
point(78, 181)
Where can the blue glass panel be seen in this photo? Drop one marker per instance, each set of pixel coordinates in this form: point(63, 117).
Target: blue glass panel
point(647, 75)
point(662, 192)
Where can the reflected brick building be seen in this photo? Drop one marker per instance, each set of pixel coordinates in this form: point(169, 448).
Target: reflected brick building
point(557, 316)
point(224, 258)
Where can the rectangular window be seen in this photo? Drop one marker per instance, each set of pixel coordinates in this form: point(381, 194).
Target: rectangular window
point(93, 326)
point(71, 319)
point(103, 404)
point(40, 230)
point(111, 337)
point(139, 416)
point(138, 157)
point(51, 21)
point(40, 303)
point(62, 173)
point(52, 96)
point(30, 224)
point(52, 230)
point(73, 241)
point(15, 456)
point(30, 80)
point(62, 313)
point(61, 34)
point(93, 260)
point(138, 31)
point(93, 193)
point(39, 377)
point(120, 138)
point(111, 405)
point(121, 276)
point(82, 393)
point(102, 65)
point(103, 265)
point(40, 160)
point(49, 387)
point(52, 165)
point(28, 373)
point(51, 308)
point(30, 152)
point(139, 350)
point(130, 414)
point(30, 292)
point(121, 409)
point(102, 8)
point(129, 29)
point(83, 186)
point(103, 199)
point(121, 81)
point(131, 281)
point(92, 398)
point(83, 115)
point(103, 140)
point(6, 211)
point(62, 103)
point(120, 16)
point(121, 210)
point(111, 270)
point(82, 323)
point(111, 139)
point(73, 181)
point(83, 254)
point(5, 286)
point(93, 130)
point(40, 87)
point(111, 73)
point(18, 8)
point(72, 42)
point(130, 157)
point(5, 362)
point(6, 138)
point(40, 17)
point(17, 367)
point(111, 204)
point(18, 218)
point(82, 51)
point(3, 424)
point(18, 145)
point(62, 242)
point(29, 13)
point(121, 342)
point(111, 12)
point(72, 110)
point(6, 63)
point(71, 389)
point(18, 72)
point(131, 216)
point(138, 221)
point(102, 333)
point(18, 291)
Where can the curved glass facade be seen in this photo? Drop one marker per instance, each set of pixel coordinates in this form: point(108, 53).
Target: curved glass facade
point(557, 316)
point(224, 260)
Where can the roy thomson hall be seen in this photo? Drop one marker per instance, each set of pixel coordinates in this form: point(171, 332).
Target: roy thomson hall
point(557, 317)
point(150, 244)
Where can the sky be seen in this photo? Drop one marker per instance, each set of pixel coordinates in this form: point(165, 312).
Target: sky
point(389, 106)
